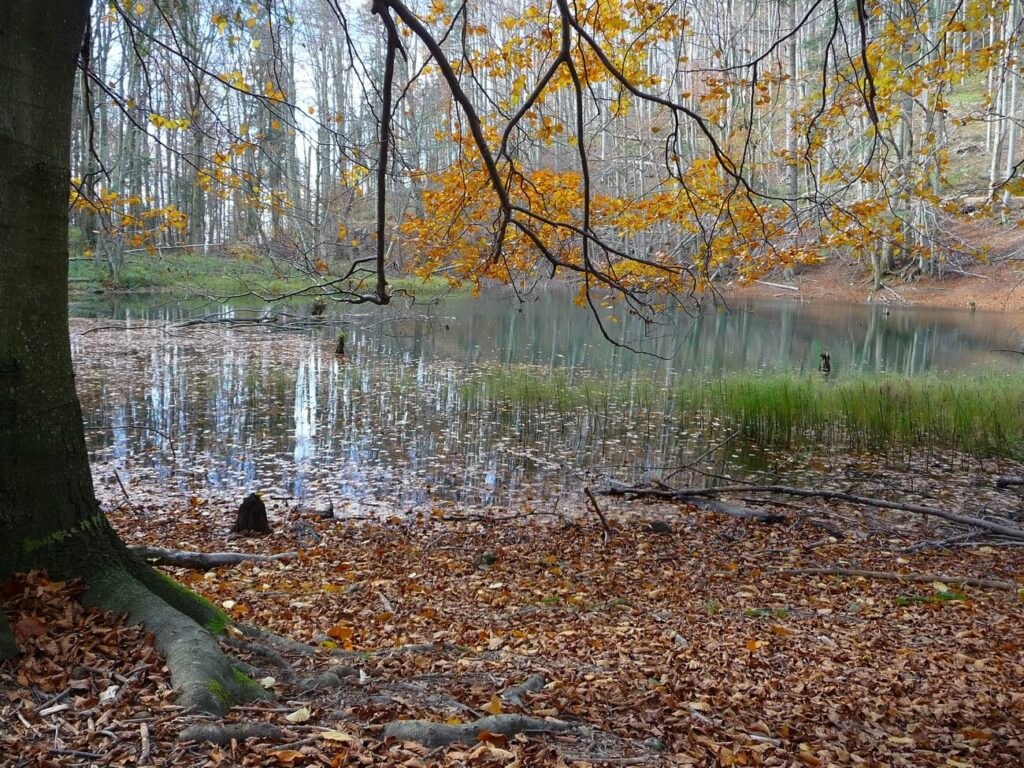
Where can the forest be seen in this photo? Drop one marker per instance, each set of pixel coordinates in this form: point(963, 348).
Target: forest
point(435, 382)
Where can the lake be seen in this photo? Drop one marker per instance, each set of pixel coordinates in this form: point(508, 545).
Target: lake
point(420, 407)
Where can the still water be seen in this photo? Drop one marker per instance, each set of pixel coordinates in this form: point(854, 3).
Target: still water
point(414, 411)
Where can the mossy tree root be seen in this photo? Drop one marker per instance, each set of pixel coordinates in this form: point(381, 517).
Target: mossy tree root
point(8, 645)
point(204, 676)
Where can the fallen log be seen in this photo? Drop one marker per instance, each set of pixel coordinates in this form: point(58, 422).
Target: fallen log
point(681, 494)
point(733, 510)
point(204, 561)
point(927, 578)
point(709, 505)
point(1005, 481)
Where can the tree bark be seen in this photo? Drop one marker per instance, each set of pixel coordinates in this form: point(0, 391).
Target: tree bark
point(49, 516)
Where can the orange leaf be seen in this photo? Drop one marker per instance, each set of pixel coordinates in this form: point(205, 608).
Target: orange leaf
point(339, 632)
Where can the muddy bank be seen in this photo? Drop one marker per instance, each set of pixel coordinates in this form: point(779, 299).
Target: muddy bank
point(997, 288)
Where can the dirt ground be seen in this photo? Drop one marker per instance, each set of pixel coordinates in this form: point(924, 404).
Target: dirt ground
point(993, 287)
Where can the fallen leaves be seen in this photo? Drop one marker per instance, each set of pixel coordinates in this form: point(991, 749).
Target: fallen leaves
point(772, 670)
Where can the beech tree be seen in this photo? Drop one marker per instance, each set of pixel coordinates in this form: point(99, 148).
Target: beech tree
point(49, 515)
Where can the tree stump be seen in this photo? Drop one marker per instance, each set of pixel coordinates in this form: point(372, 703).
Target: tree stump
point(252, 516)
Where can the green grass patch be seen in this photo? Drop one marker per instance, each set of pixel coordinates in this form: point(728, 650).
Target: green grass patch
point(979, 414)
point(189, 273)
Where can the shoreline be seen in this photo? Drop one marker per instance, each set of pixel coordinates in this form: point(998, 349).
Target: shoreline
point(992, 288)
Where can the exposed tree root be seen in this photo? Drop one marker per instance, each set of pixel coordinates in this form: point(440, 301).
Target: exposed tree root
point(514, 694)
point(204, 561)
point(204, 676)
point(432, 735)
point(223, 735)
point(926, 578)
point(8, 645)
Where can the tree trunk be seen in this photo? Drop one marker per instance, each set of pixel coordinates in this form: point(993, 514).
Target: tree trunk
point(49, 516)
point(45, 485)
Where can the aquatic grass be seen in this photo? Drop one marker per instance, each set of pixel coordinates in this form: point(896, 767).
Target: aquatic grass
point(980, 414)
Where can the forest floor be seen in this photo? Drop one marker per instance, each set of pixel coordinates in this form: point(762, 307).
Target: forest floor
point(989, 287)
point(681, 643)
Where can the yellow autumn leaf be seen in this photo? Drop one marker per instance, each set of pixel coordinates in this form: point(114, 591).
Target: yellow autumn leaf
point(339, 736)
point(493, 707)
point(300, 715)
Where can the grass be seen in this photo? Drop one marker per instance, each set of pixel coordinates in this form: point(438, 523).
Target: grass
point(184, 273)
point(979, 414)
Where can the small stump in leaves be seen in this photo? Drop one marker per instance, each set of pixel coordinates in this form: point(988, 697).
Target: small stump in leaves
point(252, 516)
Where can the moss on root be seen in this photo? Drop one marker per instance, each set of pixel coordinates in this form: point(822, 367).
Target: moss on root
point(204, 676)
point(197, 608)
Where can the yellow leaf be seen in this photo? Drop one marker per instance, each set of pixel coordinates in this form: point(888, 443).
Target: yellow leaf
point(300, 715)
point(753, 645)
point(493, 707)
point(345, 738)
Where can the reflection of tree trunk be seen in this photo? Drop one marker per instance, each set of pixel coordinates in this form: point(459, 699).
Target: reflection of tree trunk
point(869, 337)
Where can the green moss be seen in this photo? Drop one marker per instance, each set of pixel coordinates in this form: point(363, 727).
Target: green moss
point(220, 693)
point(213, 619)
point(94, 523)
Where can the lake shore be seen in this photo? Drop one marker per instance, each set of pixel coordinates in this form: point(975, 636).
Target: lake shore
point(994, 288)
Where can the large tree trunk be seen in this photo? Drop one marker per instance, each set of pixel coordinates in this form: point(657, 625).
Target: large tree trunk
point(45, 484)
point(49, 516)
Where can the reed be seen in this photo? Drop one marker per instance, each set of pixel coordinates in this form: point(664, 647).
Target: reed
point(980, 414)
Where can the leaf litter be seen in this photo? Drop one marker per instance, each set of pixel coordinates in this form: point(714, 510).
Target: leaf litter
point(674, 640)
point(675, 649)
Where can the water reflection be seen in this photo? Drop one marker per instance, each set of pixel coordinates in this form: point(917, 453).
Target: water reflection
point(405, 416)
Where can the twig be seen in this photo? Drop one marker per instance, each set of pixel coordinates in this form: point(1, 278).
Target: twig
point(145, 746)
point(127, 498)
point(953, 517)
point(893, 576)
point(600, 514)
